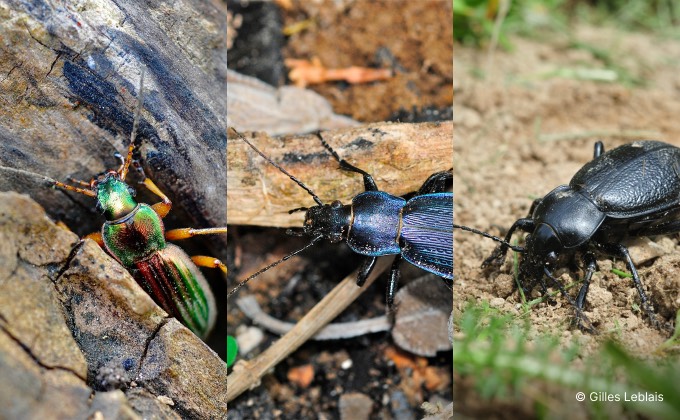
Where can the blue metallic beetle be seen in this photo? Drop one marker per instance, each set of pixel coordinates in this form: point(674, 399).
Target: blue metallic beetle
point(419, 230)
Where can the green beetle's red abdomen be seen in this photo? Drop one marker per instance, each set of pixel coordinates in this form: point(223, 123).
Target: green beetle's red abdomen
point(136, 236)
point(178, 286)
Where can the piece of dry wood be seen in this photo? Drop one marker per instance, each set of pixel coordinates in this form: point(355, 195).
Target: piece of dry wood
point(69, 76)
point(399, 156)
point(247, 374)
point(256, 106)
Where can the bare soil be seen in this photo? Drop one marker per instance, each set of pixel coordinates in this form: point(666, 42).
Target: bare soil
point(412, 38)
point(523, 130)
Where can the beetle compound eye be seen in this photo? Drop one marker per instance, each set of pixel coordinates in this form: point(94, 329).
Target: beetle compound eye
point(336, 204)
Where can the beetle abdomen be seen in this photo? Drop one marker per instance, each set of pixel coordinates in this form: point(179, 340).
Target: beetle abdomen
point(633, 180)
point(427, 233)
point(375, 224)
point(176, 284)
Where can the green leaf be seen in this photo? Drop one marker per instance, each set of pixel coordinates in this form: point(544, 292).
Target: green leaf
point(232, 350)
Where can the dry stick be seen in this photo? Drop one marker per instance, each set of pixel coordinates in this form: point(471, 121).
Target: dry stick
point(247, 374)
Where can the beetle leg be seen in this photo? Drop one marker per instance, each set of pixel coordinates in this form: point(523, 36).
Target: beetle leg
point(200, 260)
point(97, 237)
point(591, 266)
point(498, 255)
point(394, 280)
point(599, 149)
point(436, 183)
point(365, 270)
point(369, 183)
point(183, 233)
point(621, 251)
point(535, 203)
point(580, 318)
point(162, 208)
point(557, 284)
point(210, 262)
point(540, 280)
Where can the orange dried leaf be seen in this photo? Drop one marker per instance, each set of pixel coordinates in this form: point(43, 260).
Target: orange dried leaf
point(306, 72)
point(436, 378)
point(301, 375)
point(401, 360)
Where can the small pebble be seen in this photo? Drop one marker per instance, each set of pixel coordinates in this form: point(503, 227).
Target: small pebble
point(355, 406)
point(165, 400)
point(346, 364)
point(248, 338)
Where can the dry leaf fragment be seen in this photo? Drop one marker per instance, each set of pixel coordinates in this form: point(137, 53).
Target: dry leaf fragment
point(306, 72)
point(301, 375)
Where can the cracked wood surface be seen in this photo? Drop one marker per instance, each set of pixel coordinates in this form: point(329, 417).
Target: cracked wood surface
point(399, 156)
point(69, 77)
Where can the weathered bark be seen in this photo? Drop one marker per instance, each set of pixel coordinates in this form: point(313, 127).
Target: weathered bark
point(400, 157)
point(69, 79)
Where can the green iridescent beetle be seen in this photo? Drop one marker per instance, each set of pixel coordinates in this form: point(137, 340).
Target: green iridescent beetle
point(134, 235)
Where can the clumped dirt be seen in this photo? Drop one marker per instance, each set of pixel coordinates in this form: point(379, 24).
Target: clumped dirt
point(522, 131)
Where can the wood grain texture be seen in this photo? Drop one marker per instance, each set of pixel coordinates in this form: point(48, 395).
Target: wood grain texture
point(69, 78)
point(399, 156)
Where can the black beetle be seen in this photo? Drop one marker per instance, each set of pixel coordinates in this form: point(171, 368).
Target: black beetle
point(630, 191)
point(419, 230)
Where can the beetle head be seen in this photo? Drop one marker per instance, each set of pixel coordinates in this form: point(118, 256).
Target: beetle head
point(543, 247)
point(328, 220)
point(541, 254)
point(114, 196)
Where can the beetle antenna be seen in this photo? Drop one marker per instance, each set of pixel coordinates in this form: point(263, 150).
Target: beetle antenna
point(274, 264)
point(133, 135)
point(488, 235)
point(277, 166)
point(50, 181)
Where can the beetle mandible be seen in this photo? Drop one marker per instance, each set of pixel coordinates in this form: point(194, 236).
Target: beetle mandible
point(376, 223)
point(630, 191)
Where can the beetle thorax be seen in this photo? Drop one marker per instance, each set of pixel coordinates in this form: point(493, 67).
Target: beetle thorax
point(329, 220)
point(114, 196)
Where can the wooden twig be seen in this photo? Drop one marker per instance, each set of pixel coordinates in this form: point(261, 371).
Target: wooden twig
point(399, 156)
point(247, 374)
